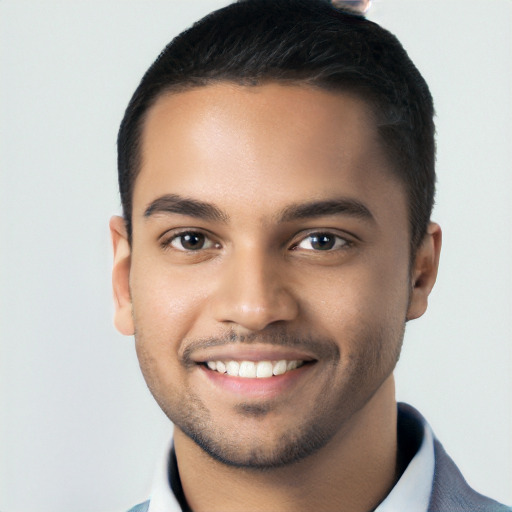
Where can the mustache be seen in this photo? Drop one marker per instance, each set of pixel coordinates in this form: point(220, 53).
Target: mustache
point(320, 347)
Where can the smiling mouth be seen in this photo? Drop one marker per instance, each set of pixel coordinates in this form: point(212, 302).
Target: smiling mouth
point(255, 369)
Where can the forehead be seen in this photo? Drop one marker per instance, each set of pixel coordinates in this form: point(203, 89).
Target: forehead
point(229, 144)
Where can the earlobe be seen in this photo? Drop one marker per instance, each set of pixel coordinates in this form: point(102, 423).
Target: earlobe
point(424, 271)
point(123, 319)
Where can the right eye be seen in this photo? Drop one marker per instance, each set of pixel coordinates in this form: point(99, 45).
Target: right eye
point(191, 241)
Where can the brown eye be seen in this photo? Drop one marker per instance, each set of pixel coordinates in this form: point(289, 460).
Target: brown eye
point(191, 241)
point(322, 242)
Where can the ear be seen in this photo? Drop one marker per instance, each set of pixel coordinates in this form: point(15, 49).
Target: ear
point(424, 271)
point(123, 319)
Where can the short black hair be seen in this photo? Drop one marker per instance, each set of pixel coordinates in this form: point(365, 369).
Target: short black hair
point(308, 42)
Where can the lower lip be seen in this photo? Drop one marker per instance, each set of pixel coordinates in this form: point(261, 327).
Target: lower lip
point(254, 387)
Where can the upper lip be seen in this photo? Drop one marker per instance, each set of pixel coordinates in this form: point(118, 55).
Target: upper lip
point(250, 353)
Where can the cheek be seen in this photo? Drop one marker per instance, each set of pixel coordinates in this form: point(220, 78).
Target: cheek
point(366, 293)
point(165, 303)
point(165, 309)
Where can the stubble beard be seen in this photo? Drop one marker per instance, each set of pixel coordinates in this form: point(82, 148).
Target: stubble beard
point(362, 375)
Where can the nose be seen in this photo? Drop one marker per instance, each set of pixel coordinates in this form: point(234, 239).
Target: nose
point(254, 292)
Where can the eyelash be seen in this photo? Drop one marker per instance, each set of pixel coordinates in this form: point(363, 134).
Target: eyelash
point(167, 242)
point(336, 239)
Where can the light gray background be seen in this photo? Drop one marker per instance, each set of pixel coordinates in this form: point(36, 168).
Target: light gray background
point(78, 429)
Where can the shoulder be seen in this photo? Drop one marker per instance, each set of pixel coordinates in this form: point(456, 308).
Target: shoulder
point(141, 507)
point(451, 492)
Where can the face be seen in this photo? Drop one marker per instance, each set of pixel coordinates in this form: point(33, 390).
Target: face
point(268, 282)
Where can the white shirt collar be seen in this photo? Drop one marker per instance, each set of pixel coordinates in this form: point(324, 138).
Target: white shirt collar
point(411, 492)
point(162, 497)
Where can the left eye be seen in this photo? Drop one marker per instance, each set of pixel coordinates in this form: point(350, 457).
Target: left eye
point(191, 241)
point(322, 242)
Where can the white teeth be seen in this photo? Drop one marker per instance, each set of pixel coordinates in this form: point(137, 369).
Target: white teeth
point(251, 369)
point(264, 370)
point(247, 369)
point(291, 365)
point(232, 368)
point(279, 367)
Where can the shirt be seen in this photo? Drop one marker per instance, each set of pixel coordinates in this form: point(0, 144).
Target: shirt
point(411, 492)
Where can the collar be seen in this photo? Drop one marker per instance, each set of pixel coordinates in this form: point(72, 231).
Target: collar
point(163, 499)
point(411, 492)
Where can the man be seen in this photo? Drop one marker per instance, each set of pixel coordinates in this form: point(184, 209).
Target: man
point(276, 169)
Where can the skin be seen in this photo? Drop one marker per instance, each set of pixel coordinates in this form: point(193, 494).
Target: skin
point(261, 288)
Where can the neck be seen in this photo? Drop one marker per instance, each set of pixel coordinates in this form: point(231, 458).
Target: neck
point(354, 472)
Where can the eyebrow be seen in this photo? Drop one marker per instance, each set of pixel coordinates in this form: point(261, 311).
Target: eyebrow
point(172, 203)
point(315, 209)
